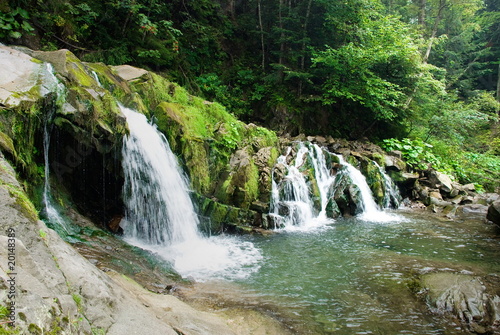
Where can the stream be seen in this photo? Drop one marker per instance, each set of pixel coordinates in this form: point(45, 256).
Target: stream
point(356, 277)
point(315, 274)
point(318, 275)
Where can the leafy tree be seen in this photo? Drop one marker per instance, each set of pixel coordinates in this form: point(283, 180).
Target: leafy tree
point(375, 72)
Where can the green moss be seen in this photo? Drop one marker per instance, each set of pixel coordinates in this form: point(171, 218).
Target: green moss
point(110, 81)
point(37, 61)
point(22, 316)
point(98, 331)
point(260, 137)
point(225, 190)
point(20, 125)
point(379, 158)
point(78, 73)
point(251, 185)
point(78, 301)
point(352, 160)
point(34, 329)
point(374, 179)
point(25, 205)
point(99, 118)
point(196, 158)
point(273, 157)
point(6, 144)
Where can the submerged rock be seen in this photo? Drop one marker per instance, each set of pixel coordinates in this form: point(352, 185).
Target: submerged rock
point(465, 297)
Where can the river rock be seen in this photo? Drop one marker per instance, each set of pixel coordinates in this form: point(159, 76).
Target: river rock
point(441, 181)
point(494, 212)
point(469, 187)
point(463, 296)
point(392, 162)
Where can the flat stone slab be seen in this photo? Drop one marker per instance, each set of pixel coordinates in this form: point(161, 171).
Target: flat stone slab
point(18, 74)
point(128, 72)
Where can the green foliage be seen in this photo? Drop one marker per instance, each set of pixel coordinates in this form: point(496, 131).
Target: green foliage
point(416, 153)
point(376, 72)
point(481, 169)
point(14, 23)
point(353, 68)
point(3, 312)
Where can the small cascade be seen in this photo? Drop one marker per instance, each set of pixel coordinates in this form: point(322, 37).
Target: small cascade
point(309, 183)
point(292, 203)
point(367, 202)
point(293, 195)
point(160, 216)
point(369, 208)
point(50, 84)
point(392, 197)
point(96, 78)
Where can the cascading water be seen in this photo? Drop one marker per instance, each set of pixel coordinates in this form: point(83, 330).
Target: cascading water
point(392, 197)
point(293, 203)
point(154, 181)
point(50, 84)
point(294, 194)
point(160, 216)
point(370, 209)
point(96, 78)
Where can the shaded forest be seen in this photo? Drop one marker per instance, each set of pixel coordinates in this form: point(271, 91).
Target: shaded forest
point(418, 76)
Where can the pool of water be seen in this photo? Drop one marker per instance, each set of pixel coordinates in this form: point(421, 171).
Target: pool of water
point(356, 276)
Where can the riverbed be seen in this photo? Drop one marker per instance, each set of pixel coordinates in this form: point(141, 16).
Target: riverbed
point(354, 276)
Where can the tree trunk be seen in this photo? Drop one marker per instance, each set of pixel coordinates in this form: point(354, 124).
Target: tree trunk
point(421, 12)
point(442, 5)
point(498, 85)
point(304, 35)
point(281, 57)
point(231, 8)
point(282, 33)
point(261, 36)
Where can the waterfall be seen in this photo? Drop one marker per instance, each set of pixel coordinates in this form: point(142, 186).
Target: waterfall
point(294, 194)
point(299, 200)
point(153, 181)
point(159, 213)
point(96, 78)
point(292, 205)
point(50, 84)
point(367, 201)
point(392, 197)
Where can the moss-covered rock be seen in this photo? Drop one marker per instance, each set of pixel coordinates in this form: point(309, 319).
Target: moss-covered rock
point(374, 179)
point(224, 157)
point(217, 218)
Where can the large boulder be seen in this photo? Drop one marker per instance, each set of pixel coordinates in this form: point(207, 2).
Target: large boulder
point(441, 181)
point(464, 297)
point(494, 212)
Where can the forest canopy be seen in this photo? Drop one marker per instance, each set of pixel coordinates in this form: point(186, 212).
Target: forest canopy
point(420, 71)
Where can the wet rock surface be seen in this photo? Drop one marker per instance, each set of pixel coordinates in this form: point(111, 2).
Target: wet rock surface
point(465, 297)
point(494, 212)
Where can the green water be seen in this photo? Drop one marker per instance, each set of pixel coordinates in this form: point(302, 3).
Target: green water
point(358, 277)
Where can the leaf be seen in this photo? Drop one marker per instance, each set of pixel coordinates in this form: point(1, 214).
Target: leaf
point(15, 34)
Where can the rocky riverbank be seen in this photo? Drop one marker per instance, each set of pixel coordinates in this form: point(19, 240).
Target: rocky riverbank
point(57, 290)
